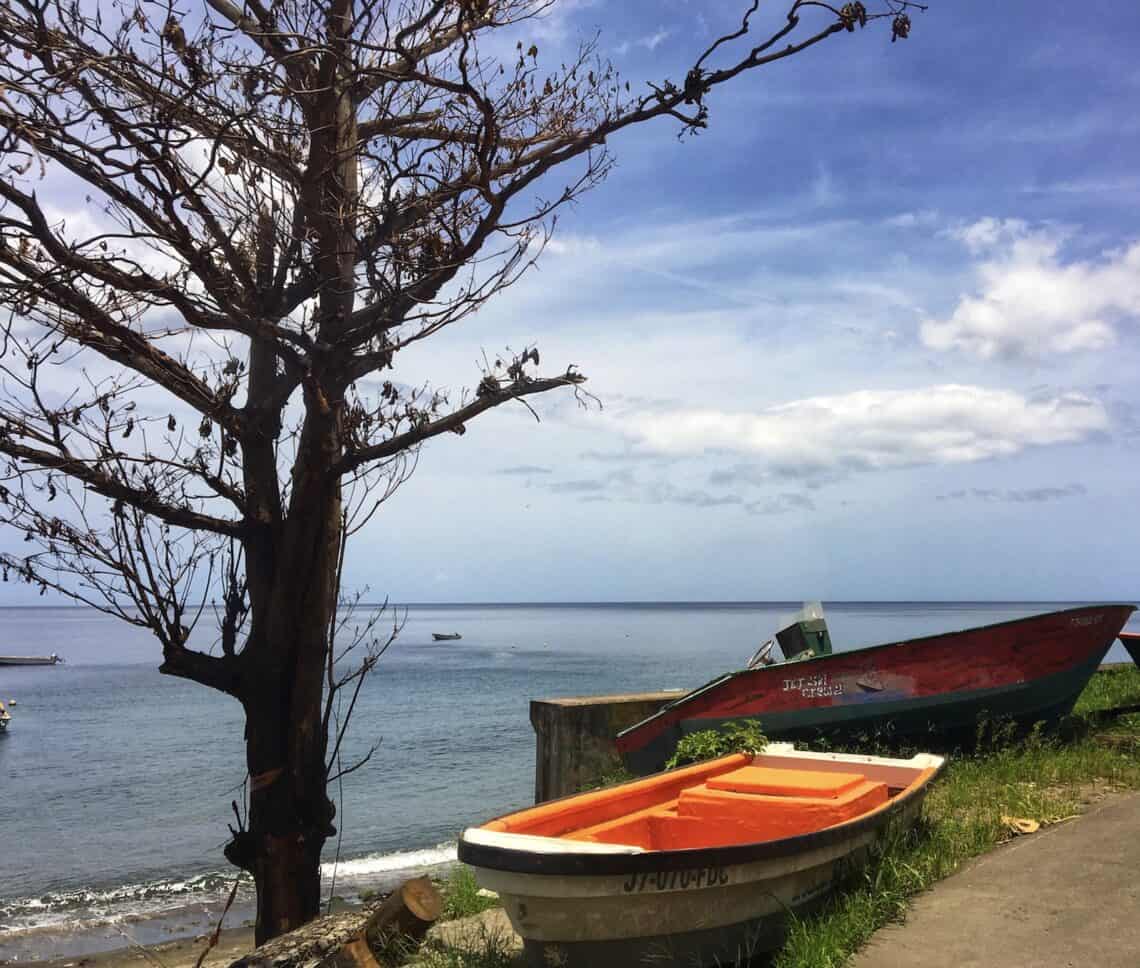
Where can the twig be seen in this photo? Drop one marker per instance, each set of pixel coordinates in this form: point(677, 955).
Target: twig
point(143, 950)
point(212, 943)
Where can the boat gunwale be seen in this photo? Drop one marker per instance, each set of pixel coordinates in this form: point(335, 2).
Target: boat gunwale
point(513, 861)
point(800, 663)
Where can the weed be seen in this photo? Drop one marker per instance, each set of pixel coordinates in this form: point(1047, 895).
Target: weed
point(617, 773)
point(738, 736)
point(461, 897)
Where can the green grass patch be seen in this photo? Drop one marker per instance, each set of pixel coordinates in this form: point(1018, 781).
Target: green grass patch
point(1118, 686)
point(461, 897)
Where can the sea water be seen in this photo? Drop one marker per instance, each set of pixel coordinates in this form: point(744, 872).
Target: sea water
point(116, 782)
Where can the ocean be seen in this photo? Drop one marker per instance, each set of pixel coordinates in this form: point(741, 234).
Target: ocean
point(116, 781)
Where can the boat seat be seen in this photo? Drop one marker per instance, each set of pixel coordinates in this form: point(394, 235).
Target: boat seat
point(631, 828)
point(786, 783)
point(834, 798)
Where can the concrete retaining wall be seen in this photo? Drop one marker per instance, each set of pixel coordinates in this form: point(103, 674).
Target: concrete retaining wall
point(574, 738)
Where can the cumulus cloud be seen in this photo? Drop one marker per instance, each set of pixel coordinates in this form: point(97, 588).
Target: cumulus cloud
point(872, 429)
point(524, 470)
point(1031, 301)
point(624, 485)
point(1030, 495)
point(781, 504)
point(650, 41)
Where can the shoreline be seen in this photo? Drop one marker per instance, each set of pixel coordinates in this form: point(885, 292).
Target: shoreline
point(232, 944)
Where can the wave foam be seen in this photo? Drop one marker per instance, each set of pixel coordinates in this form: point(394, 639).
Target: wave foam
point(88, 908)
point(405, 860)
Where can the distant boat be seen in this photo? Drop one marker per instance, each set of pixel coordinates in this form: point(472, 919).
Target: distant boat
point(1131, 642)
point(696, 866)
point(5, 719)
point(21, 660)
point(446, 636)
point(1027, 670)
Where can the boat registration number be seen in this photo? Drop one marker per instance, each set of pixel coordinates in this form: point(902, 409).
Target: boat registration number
point(812, 687)
point(683, 880)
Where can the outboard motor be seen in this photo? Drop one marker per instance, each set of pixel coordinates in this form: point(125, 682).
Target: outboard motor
point(806, 636)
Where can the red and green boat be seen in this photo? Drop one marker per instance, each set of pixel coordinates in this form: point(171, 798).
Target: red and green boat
point(1131, 642)
point(1027, 670)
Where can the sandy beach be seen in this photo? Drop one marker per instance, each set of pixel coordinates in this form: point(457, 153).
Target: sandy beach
point(184, 953)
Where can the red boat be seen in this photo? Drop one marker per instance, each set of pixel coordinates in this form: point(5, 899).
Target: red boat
point(1027, 670)
point(1131, 642)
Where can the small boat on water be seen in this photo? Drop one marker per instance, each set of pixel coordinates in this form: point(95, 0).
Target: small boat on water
point(697, 866)
point(27, 660)
point(446, 636)
point(1027, 670)
point(5, 719)
point(1131, 642)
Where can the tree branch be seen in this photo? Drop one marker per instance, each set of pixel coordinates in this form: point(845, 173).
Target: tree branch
point(110, 487)
point(454, 422)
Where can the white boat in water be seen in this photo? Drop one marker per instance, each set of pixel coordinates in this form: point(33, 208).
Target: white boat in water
point(28, 660)
point(698, 866)
point(5, 719)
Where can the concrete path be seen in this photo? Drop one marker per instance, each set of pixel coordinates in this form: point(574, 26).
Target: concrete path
point(1068, 897)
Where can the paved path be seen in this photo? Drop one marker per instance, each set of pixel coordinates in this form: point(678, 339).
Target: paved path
point(1068, 897)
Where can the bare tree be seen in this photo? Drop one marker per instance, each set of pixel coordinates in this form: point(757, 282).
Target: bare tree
point(197, 387)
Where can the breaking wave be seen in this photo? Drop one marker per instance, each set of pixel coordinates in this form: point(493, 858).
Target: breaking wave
point(171, 899)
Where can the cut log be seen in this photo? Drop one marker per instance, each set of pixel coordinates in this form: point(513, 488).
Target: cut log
point(355, 954)
point(404, 916)
point(378, 937)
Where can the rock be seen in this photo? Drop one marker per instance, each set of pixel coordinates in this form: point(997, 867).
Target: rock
point(491, 928)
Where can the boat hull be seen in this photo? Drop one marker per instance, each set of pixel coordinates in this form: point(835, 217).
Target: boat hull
point(1131, 641)
point(695, 907)
point(28, 660)
point(1026, 671)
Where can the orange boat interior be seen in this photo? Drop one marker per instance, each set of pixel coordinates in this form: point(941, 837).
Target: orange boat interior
point(728, 801)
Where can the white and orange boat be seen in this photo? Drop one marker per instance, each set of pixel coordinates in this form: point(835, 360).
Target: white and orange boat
point(696, 866)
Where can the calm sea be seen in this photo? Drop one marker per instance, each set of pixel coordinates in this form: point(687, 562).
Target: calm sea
point(116, 781)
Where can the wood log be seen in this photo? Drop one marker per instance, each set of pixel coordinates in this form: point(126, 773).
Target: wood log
point(378, 937)
point(404, 916)
point(355, 954)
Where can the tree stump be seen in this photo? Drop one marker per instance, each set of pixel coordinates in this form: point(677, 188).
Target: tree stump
point(404, 916)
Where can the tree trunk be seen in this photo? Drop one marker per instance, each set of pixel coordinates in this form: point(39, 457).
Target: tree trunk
point(284, 670)
point(290, 815)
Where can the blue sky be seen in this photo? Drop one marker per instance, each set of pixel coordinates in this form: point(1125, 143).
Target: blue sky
point(872, 335)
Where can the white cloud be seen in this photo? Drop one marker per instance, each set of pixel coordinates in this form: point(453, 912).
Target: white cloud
point(872, 429)
point(823, 190)
point(923, 218)
point(650, 41)
point(1031, 301)
point(988, 232)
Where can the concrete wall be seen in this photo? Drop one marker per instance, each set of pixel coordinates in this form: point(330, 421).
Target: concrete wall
point(574, 738)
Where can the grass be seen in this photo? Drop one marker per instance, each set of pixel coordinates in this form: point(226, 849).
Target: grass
point(1047, 778)
point(483, 949)
point(461, 897)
